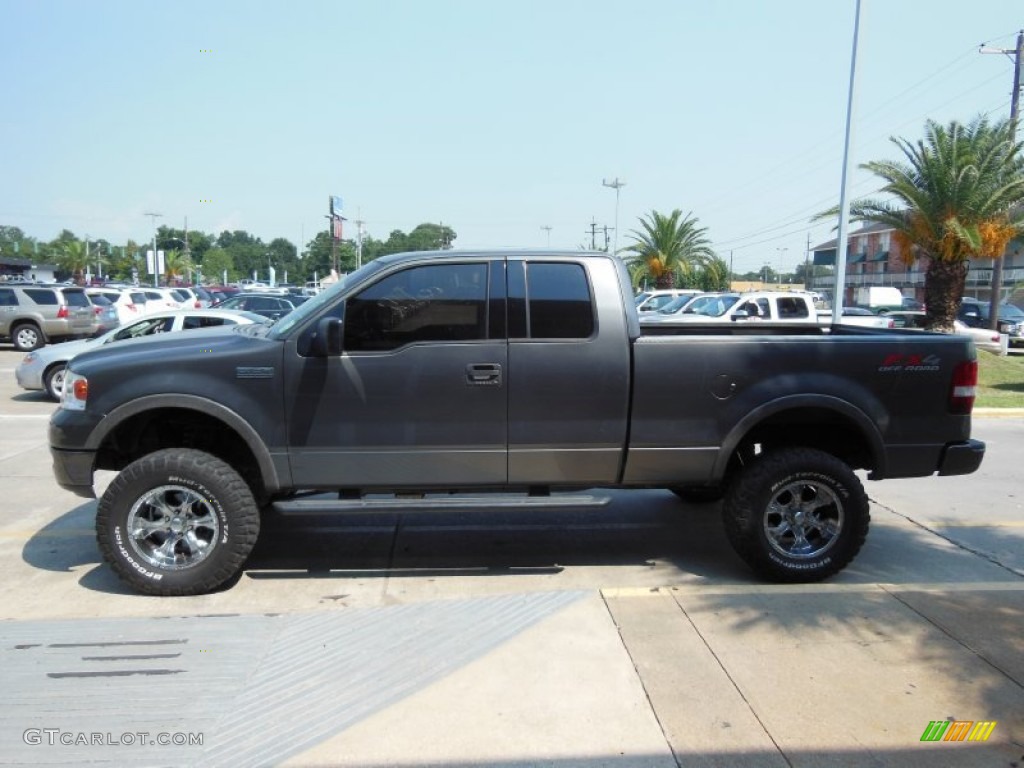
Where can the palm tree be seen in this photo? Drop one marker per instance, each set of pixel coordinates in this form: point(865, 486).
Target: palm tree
point(670, 250)
point(953, 201)
point(74, 258)
point(714, 275)
point(176, 265)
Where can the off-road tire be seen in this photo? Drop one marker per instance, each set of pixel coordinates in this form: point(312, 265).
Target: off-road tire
point(796, 515)
point(27, 336)
point(195, 522)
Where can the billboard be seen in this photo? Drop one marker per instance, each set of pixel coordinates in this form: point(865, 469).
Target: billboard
point(335, 205)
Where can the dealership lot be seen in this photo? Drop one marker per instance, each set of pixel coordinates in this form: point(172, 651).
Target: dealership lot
point(628, 634)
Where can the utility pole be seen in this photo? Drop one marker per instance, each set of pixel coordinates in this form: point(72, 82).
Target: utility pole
point(359, 241)
point(807, 263)
point(547, 229)
point(593, 234)
point(616, 185)
point(1018, 75)
point(730, 270)
point(606, 238)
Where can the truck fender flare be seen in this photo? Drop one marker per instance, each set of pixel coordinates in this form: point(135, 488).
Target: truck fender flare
point(864, 423)
point(203, 405)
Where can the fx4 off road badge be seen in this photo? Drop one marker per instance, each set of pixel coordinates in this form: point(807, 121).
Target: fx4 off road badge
point(909, 363)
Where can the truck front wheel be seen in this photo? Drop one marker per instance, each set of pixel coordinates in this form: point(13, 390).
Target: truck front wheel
point(796, 515)
point(177, 522)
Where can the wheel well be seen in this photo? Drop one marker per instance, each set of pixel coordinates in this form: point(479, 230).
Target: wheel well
point(151, 431)
point(820, 428)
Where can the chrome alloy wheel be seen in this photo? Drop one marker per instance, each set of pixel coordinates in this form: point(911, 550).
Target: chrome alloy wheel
point(803, 520)
point(173, 527)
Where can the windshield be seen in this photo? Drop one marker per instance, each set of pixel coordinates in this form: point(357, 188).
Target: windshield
point(675, 305)
point(1010, 312)
point(713, 306)
point(300, 314)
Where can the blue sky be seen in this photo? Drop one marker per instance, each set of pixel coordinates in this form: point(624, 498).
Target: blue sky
point(496, 118)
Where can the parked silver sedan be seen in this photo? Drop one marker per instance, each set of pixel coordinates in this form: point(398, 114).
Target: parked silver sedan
point(44, 368)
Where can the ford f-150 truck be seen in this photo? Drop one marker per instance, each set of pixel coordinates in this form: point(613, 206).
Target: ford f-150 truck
point(507, 373)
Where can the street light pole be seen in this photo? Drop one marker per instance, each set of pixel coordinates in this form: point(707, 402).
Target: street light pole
point(156, 259)
point(781, 252)
point(616, 185)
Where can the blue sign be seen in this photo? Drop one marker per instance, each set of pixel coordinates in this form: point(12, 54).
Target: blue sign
point(335, 205)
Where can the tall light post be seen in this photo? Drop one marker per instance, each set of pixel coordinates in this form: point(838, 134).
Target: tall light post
point(547, 229)
point(616, 185)
point(781, 252)
point(156, 259)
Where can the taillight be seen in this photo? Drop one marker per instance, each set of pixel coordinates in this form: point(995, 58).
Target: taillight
point(62, 313)
point(199, 304)
point(964, 387)
point(891, 323)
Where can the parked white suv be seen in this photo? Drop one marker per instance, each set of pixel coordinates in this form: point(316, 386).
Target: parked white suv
point(129, 302)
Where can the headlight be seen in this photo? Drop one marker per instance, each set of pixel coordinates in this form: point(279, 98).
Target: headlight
point(76, 392)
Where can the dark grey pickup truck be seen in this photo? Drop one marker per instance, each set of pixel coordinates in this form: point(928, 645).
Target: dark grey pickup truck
point(505, 373)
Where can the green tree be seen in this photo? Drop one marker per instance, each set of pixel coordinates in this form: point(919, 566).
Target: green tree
point(668, 250)
point(714, 275)
point(215, 262)
point(73, 259)
point(318, 256)
point(953, 195)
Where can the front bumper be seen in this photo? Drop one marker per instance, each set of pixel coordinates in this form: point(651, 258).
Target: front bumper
point(961, 458)
point(73, 471)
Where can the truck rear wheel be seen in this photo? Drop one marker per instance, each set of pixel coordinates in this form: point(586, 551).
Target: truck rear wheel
point(796, 515)
point(177, 522)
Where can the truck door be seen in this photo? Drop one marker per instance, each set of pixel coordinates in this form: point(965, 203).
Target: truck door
point(569, 363)
point(419, 394)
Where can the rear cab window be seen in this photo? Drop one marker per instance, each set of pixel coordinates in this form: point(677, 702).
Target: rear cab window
point(550, 300)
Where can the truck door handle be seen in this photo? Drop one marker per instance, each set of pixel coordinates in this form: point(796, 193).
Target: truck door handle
point(487, 374)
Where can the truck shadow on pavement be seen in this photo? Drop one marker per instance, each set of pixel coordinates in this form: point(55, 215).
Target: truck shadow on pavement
point(655, 538)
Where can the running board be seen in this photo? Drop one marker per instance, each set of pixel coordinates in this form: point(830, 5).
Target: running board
point(321, 506)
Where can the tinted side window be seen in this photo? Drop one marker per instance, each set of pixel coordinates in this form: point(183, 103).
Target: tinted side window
point(42, 296)
point(444, 302)
point(201, 322)
point(790, 307)
point(558, 300)
point(8, 298)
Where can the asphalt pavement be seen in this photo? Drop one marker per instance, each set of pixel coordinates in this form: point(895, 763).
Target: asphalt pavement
point(625, 636)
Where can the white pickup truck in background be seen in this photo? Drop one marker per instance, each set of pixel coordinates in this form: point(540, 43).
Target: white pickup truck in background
point(765, 306)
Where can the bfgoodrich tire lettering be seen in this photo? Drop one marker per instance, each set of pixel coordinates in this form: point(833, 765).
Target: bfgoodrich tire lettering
point(177, 522)
point(796, 515)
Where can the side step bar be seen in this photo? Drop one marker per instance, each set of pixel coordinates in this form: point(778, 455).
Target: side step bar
point(332, 506)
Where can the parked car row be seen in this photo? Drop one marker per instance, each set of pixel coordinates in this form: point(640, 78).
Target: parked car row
point(34, 314)
point(44, 368)
point(685, 306)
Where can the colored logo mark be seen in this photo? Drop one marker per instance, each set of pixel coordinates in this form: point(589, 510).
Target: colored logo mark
point(207, 200)
point(206, 50)
point(958, 730)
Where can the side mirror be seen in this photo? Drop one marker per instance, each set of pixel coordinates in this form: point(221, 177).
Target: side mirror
point(646, 308)
point(740, 314)
point(327, 341)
